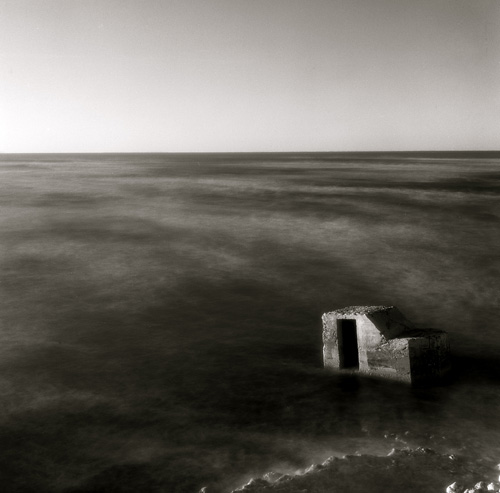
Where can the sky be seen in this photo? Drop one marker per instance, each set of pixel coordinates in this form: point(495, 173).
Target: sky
point(249, 75)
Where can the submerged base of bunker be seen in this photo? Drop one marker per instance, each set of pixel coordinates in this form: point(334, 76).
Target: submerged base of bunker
point(379, 341)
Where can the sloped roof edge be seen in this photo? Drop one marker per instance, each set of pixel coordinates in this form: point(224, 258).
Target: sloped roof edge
point(361, 310)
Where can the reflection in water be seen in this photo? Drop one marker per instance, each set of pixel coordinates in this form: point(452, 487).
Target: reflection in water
point(161, 313)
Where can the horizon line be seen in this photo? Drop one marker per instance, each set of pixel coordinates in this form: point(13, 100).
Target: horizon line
point(469, 151)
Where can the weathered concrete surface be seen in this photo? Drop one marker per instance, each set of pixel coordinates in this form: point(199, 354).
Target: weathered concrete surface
point(388, 345)
point(430, 355)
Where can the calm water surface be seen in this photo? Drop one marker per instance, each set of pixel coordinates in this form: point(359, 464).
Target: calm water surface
point(160, 314)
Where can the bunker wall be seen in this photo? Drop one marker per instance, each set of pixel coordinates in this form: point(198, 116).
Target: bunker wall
point(390, 360)
point(374, 351)
point(429, 357)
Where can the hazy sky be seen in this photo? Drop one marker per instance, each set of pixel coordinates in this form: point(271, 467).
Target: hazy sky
point(249, 75)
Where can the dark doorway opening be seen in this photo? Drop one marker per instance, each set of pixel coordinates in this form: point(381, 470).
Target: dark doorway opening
point(348, 346)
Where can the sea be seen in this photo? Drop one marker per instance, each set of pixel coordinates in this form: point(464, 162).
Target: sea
point(161, 313)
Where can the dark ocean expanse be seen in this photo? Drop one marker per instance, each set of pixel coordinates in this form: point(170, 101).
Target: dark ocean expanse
point(161, 313)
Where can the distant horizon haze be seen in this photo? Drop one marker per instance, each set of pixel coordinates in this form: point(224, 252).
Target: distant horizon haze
point(482, 152)
point(237, 76)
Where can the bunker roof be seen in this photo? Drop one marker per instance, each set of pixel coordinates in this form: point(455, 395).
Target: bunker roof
point(361, 310)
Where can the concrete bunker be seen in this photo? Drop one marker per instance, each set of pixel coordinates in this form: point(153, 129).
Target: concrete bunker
point(379, 341)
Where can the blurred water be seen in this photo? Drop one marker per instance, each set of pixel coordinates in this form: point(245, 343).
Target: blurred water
point(160, 314)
